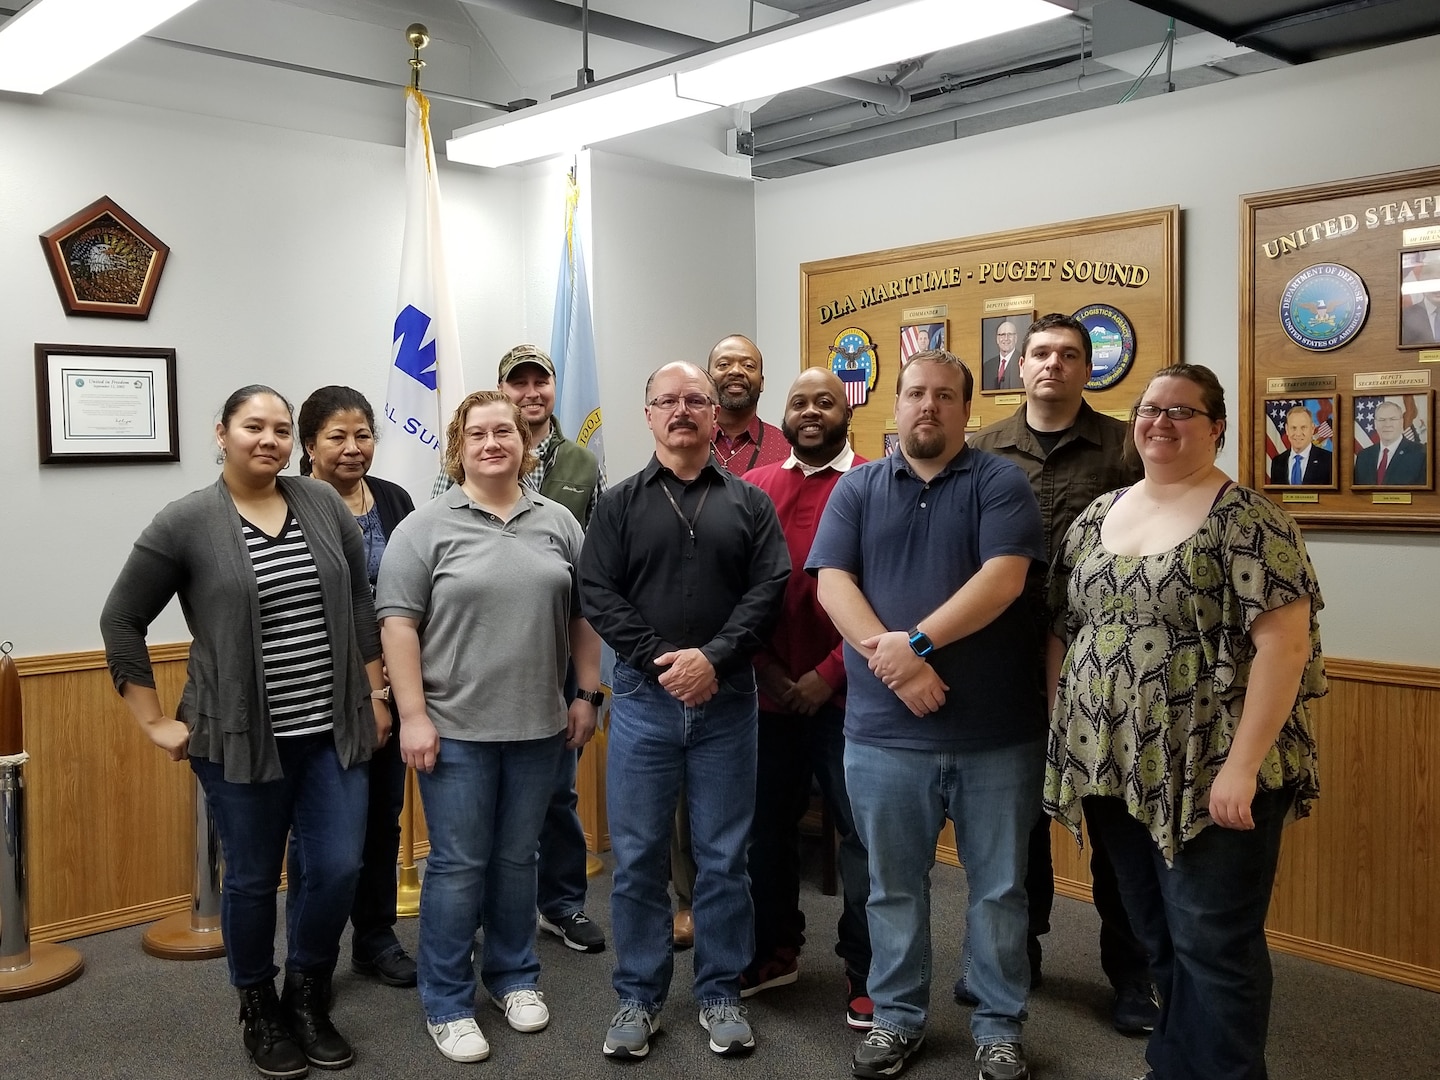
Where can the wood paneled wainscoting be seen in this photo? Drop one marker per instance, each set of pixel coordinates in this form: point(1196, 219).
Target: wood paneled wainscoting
point(1359, 880)
point(110, 819)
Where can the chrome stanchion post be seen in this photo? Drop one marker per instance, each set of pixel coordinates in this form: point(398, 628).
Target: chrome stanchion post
point(194, 934)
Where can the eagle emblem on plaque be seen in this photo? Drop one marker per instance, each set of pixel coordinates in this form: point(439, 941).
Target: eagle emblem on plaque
point(852, 358)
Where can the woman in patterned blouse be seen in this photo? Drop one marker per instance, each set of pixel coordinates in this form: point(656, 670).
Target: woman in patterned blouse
point(1184, 656)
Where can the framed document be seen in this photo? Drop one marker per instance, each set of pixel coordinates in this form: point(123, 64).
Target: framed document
point(100, 404)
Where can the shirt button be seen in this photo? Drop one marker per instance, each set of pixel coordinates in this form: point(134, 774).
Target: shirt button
point(922, 506)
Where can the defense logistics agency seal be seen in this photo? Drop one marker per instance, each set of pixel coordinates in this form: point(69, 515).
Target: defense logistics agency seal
point(1324, 306)
point(852, 358)
point(1112, 340)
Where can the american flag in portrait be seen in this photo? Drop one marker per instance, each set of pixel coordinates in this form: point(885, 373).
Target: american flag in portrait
point(918, 337)
point(1321, 414)
point(1413, 410)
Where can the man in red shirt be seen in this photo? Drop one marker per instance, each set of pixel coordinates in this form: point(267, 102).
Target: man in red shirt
point(742, 440)
point(801, 675)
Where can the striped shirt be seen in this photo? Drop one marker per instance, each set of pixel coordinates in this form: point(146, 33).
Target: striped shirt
point(299, 674)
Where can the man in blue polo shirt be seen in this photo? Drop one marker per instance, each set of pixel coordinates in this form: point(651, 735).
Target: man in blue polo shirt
point(945, 715)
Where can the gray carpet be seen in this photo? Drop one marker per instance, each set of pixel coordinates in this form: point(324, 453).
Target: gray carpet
point(131, 1016)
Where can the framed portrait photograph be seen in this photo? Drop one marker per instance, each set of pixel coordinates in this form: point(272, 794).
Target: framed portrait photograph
point(1392, 441)
point(104, 262)
point(100, 404)
point(1420, 298)
point(1300, 443)
point(1000, 351)
point(919, 337)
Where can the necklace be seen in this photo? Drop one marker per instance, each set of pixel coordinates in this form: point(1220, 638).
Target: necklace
point(725, 459)
point(365, 501)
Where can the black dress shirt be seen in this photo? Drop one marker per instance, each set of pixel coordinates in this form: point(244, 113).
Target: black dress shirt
point(708, 572)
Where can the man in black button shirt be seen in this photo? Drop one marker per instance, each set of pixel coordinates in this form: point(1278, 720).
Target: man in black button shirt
point(683, 572)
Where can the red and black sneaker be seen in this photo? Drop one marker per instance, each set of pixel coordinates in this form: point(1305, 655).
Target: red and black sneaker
point(781, 969)
point(859, 1009)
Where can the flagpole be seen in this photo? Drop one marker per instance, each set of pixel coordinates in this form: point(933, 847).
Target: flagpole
point(407, 890)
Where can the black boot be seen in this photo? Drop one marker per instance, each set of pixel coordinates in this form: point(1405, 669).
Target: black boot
point(267, 1039)
point(305, 1004)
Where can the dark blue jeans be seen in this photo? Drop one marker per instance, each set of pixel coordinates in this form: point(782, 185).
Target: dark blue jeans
point(324, 805)
point(792, 750)
point(561, 884)
point(1202, 921)
point(655, 743)
point(373, 913)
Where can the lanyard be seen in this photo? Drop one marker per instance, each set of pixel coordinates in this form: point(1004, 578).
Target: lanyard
point(689, 523)
point(754, 454)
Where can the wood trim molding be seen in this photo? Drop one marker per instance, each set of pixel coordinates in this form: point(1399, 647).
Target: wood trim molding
point(1376, 671)
point(102, 921)
point(1351, 960)
point(92, 659)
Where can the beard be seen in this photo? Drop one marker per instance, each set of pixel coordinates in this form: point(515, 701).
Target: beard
point(738, 400)
point(923, 443)
point(831, 439)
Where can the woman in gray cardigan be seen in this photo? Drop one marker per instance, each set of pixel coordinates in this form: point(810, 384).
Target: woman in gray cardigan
point(281, 709)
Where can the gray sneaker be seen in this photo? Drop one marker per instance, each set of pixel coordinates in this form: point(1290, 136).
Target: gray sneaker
point(630, 1032)
point(730, 1032)
point(1002, 1061)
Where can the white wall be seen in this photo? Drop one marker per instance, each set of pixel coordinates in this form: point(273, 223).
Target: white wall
point(285, 251)
point(1202, 149)
point(283, 269)
point(673, 272)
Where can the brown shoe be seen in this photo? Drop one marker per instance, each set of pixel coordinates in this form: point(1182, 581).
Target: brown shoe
point(684, 928)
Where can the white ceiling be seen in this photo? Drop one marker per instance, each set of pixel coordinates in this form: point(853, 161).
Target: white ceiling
point(484, 54)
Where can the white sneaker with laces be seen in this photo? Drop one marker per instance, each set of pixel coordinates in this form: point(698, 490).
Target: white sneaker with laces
point(524, 1010)
point(460, 1040)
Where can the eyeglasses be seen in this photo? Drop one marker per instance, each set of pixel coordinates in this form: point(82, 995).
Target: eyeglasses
point(1174, 412)
point(671, 402)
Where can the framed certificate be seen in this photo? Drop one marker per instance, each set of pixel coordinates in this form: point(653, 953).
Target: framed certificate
point(100, 404)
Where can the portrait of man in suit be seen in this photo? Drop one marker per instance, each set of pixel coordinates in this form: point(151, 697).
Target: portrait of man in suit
point(1306, 463)
point(1420, 322)
point(1000, 343)
point(1392, 460)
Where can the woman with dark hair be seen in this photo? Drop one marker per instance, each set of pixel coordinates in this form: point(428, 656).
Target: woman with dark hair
point(480, 618)
point(337, 444)
point(281, 710)
point(1185, 655)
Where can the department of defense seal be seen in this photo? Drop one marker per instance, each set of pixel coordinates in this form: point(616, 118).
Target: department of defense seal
point(1324, 306)
point(1112, 341)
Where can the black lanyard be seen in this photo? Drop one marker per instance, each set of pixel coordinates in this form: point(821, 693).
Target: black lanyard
point(754, 454)
point(689, 523)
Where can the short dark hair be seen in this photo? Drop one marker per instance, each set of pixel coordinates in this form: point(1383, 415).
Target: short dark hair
point(936, 356)
point(1212, 394)
point(244, 394)
point(1056, 321)
point(321, 406)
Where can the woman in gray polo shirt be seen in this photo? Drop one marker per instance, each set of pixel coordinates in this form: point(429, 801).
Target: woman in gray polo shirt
point(479, 618)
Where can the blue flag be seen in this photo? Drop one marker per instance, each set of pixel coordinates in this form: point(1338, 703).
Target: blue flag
point(572, 341)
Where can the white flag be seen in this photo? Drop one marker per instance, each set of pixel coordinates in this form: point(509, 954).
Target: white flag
point(425, 383)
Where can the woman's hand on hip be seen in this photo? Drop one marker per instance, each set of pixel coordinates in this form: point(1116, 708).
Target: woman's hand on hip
point(169, 735)
point(419, 743)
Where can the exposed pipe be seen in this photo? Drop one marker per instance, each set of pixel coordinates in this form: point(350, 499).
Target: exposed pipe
point(892, 97)
point(841, 115)
point(919, 122)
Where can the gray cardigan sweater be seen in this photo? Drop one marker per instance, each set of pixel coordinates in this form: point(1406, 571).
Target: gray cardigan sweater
point(195, 548)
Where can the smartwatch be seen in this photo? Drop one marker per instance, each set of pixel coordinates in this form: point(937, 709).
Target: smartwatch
point(594, 697)
point(920, 643)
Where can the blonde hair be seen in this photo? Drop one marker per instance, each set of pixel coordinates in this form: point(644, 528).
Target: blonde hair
point(455, 433)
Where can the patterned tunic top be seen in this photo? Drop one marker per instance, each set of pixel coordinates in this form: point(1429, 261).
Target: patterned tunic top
point(1158, 659)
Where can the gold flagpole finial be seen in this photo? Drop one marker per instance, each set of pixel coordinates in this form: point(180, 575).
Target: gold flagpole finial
point(418, 36)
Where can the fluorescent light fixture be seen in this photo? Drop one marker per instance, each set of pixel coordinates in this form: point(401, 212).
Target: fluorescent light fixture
point(52, 40)
point(856, 39)
point(794, 54)
point(568, 123)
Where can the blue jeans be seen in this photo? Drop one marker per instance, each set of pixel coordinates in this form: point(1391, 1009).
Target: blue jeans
point(324, 804)
point(1202, 921)
point(901, 799)
point(655, 743)
point(484, 805)
point(792, 750)
point(562, 881)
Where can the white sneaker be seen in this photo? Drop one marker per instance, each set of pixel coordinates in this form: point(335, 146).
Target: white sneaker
point(524, 1009)
point(460, 1040)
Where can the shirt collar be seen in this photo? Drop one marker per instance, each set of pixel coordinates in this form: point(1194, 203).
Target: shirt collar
point(959, 463)
point(456, 499)
point(752, 430)
point(654, 469)
point(841, 462)
point(1013, 429)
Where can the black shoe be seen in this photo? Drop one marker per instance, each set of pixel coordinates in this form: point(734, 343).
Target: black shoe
point(884, 1053)
point(1136, 1009)
point(393, 967)
point(267, 1040)
point(576, 931)
point(305, 1003)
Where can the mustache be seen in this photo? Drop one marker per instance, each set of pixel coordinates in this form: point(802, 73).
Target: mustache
point(683, 422)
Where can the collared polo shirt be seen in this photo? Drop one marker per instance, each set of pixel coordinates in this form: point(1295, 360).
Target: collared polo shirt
point(493, 601)
point(911, 545)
